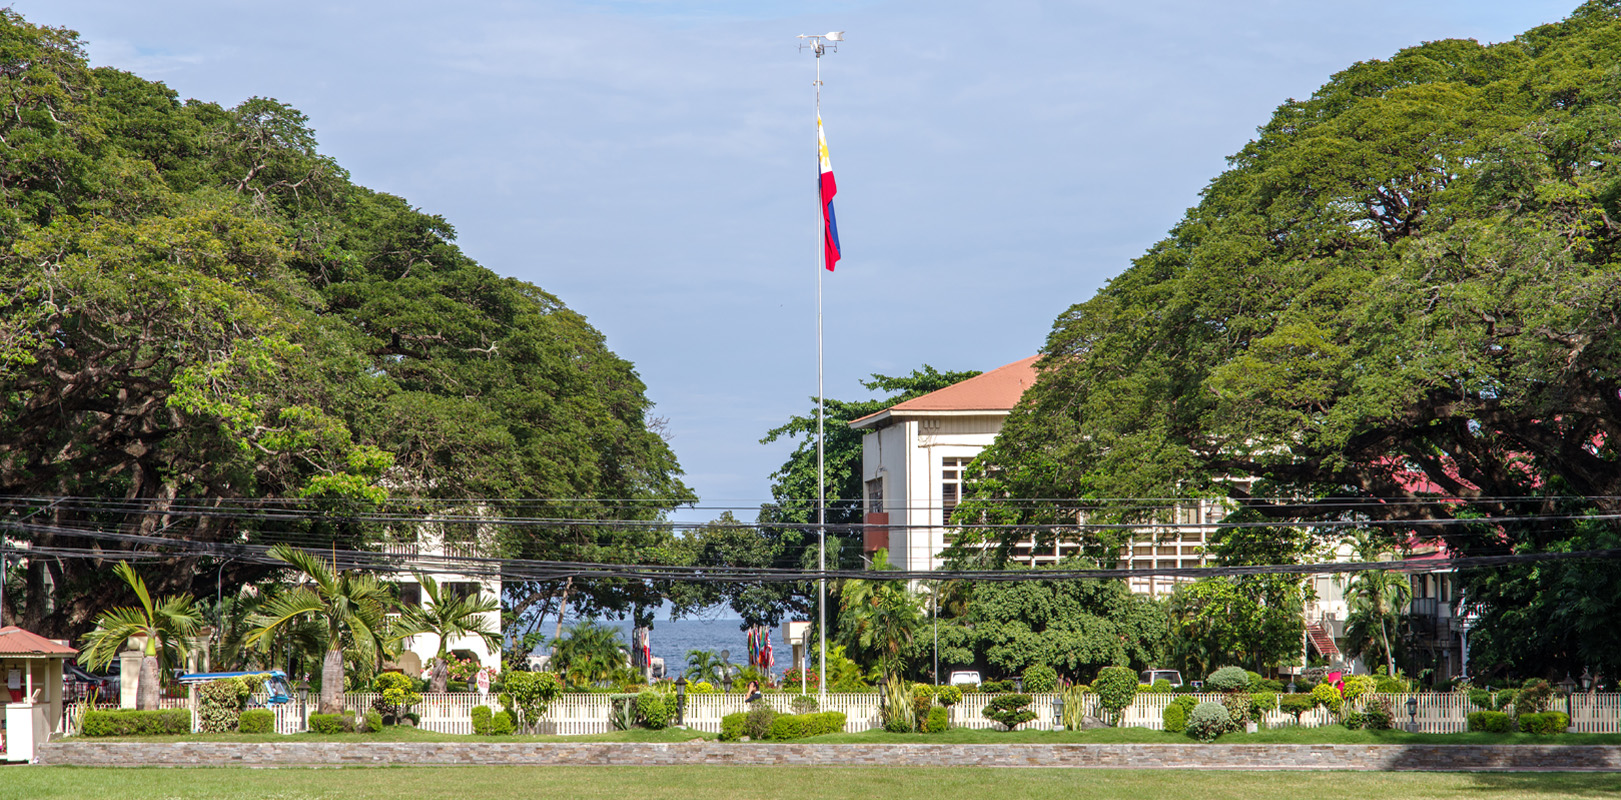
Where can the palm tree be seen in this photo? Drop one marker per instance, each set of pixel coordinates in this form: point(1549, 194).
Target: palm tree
point(879, 617)
point(1377, 596)
point(588, 654)
point(448, 618)
point(348, 604)
point(705, 665)
point(166, 625)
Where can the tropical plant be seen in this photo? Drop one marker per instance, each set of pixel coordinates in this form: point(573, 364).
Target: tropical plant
point(879, 618)
point(165, 625)
point(707, 665)
point(1208, 720)
point(1011, 710)
point(1116, 688)
point(448, 617)
point(590, 653)
point(347, 603)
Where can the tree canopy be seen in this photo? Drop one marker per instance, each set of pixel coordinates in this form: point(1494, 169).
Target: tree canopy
point(197, 306)
point(1404, 288)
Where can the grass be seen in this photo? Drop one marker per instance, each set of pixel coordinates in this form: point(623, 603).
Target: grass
point(738, 783)
point(408, 734)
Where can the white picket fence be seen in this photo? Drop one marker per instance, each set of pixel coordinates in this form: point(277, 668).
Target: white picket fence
point(578, 714)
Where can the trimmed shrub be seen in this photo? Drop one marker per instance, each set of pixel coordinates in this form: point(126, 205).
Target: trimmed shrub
point(804, 704)
point(732, 725)
point(1384, 684)
point(996, 687)
point(1208, 721)
point(502, 724)
point(652, 709)
point(1228, 679)
point(220, 703)
point(374, 721)
point(1262, 702)
point(396, 692)
point(1377, 715)
point(1040, 678)
point(1174, 719)
point(701, 687)
point(1544, 723)
point(1295, 704)
point(1534, 698)
point(938, 720)
point(1480, 698)
point(922, 700)
point(1116, 687)
point(1352, 720)
point(1490, 722)
point(948, 695)
point(328, 724)
point(757, 725)
point(1161, 686)
point(1012, 710)
point(481, 720)
point(1357, 686)
point(1506, 698)
point(1325, 695)
point(257, 720)
point(129, 722)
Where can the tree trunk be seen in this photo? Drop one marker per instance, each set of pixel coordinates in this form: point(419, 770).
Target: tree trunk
point(562, 608)
point(147, 688)
point(332, 683)
point(439, 679)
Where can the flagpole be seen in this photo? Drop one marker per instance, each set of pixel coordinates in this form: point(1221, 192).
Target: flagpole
point(818, 46)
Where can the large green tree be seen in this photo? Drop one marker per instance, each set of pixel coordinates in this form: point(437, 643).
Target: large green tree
point(1403, 289)
point(198, 307)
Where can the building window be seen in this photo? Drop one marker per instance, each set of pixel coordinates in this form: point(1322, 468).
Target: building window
point(410, 595)
point(457, 590)
point(952, 471)
point(875, 496)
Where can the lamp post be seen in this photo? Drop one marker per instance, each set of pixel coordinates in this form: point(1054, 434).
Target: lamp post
point(1018, 684)
point(1412, 714)
point(303, 697)
point(681, 701)
point(1058, 712)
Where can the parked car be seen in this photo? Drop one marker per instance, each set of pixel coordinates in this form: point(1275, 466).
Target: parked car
point(78, 683)
point(965, 677)
point(275, 685)
point(1148, 676)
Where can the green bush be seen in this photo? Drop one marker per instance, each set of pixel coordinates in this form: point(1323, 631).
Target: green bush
point(938, 720)
point(1040, 678)
point(396, 692)
point(1324, 694)
point(996, 687)
point(129, 722)
point(1357, 686)
point(652, 709)
point(1208, 721)
point(1480, 698)
point(757, 725)
point(1116, 687)
point(1544, 723)
point(732, 726)
point(1228, 679)
point(1377, 715)
point(948, 695)
point(1238, 709)
point(373, 720)
point(798, 726)
point(1490, 722)
point(328, 724)
point(502, 724)
point(1352, 720)
point(1262, 702)
point(220, 702)
point(257, 720)
point(1012, 710)
point(527, 695)
point(1385, 684)
point(1161, 686)
point(1258, 683)
point(1295, 704)
point(1534, 698)
point(804, 704)
point(1174, 719)
point(481, 720)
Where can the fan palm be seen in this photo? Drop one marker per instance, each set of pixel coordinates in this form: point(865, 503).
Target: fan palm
point(588, 654)
point(447, 618)
point(349, 604)
point(705, 665)
point(166, 625)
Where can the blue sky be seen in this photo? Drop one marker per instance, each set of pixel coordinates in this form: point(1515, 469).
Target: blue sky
point(652, 162)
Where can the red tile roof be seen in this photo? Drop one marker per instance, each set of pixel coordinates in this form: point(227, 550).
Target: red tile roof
point(15, 641)
point(996, 391)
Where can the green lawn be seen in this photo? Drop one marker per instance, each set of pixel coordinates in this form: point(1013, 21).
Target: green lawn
point(727, 783)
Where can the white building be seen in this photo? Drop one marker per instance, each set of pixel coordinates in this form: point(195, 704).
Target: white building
point(915, 453)
point(434, 553)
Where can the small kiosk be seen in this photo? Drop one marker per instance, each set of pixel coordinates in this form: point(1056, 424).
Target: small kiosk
point(31, 666)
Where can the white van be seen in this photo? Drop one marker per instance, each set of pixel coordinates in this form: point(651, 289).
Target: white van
point(1148, 676)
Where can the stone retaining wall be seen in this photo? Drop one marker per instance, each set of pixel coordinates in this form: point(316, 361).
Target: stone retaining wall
point(1112, 756)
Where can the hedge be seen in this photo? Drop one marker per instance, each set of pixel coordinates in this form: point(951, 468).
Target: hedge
point(732, 726)
point(1546, 722)
point(798, 726)
point(328, 724)
point(1490, 722)
point(129, 722)
point(257, 720)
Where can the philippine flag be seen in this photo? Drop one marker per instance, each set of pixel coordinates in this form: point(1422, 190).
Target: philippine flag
point(827, 187)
